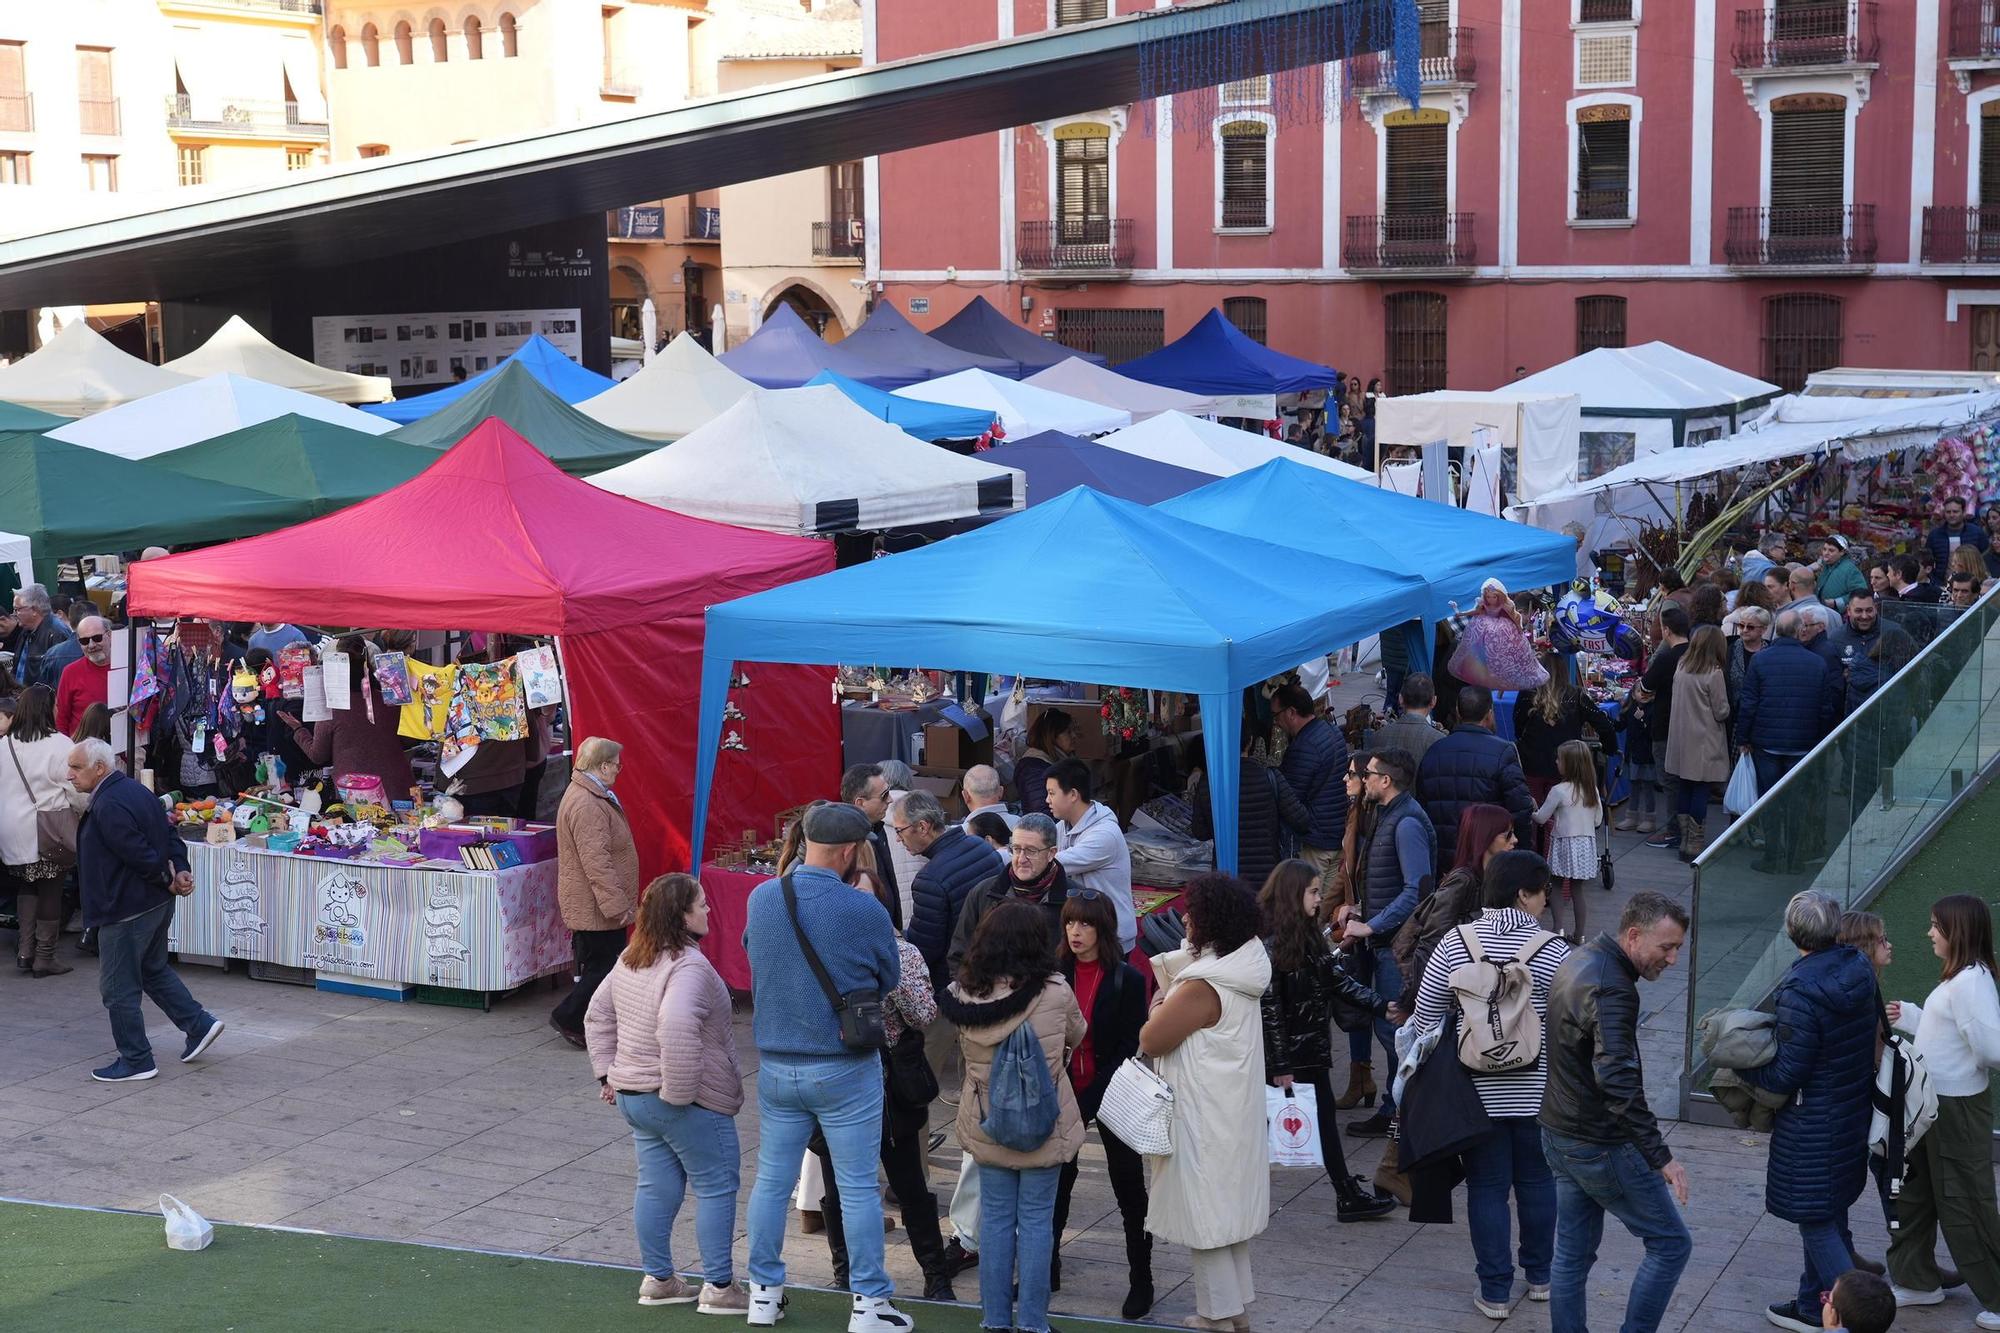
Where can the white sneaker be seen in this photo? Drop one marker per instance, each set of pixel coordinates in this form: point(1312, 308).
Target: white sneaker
point(1904, 1296)
point(1538, 1292)
point(767, 1305)
point(1491, 1309)
point(1986, 1319)
point(874, 1314)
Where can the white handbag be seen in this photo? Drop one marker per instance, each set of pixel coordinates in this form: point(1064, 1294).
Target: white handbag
point(1138, 1107)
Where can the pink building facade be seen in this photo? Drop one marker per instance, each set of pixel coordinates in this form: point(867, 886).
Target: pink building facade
point(1817, 184)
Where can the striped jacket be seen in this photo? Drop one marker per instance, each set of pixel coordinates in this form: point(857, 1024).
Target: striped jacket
point(1502, 932)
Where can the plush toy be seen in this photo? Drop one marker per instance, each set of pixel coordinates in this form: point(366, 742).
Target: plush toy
point(247, 692)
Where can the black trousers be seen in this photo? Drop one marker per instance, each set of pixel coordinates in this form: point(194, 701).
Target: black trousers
point(1128, 1185)
point(903, 1143)
point(596, 954)
point(1330, 1150)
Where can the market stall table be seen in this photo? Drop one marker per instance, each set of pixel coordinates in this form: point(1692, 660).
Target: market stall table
point(870, 733)
point(728, 893)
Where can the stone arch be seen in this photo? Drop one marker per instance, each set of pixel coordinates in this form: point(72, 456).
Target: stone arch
point(814, 303)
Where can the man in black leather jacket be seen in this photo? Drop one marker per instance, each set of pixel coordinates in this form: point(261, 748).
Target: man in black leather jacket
point(1598, 1134)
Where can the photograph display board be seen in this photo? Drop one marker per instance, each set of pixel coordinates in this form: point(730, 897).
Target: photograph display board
point(426, 348)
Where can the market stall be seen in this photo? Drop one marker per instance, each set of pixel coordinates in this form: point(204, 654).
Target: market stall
point(1539, 430)
point(13, 416)
point(929, 422)
point(79, 372)
point(785, 353)
point(681, 389)
point(1022, 408)
point(324, 466)
point(189, 413)
point(543, 362)
point(982, 329)
point(578, 444)
point(1646, 400)
point(888, 336)
point(1093, 383)
point(238, 349)
point(1055, 464)
point(1206, 446)
point(1244, 377)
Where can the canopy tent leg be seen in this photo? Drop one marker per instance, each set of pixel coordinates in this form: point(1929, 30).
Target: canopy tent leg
point(1222, 742)
point(715, 673)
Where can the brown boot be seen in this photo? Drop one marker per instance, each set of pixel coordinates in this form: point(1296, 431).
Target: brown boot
point(1389, 1180)
point(48, 934)
point(1694, 837)
point(1360, 1086)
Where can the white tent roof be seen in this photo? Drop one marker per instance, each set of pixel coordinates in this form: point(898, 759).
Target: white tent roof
point(1220, 451)
point(1654, 377)
point(681, 391)
point(1095, 384)
point(1022, 408)
point(238, 349)
point(201, 411)
point(79, 372)
point(812, 460)
point(17, 551)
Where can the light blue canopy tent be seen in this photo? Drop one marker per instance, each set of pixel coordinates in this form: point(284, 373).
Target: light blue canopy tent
point(929, 422)
point(549, 365)
point(1144, 600)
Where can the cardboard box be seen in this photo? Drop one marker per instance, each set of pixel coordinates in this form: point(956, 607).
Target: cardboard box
point(947, 746)
point(1087, 730)
point(945, 783)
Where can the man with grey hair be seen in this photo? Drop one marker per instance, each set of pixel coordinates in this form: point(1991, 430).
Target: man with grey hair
point(983, 792)
point(130, 866)
point(902, 860)
point(1788, 702)
point(1827, 1009)
point(1032, 875)
point(46, 645)
point(955, 864)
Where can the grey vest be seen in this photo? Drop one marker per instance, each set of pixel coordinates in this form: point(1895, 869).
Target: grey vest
point(1382, 877)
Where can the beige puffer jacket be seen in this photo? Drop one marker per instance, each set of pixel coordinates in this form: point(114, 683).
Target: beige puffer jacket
point(597, 866)
point(986, 1021)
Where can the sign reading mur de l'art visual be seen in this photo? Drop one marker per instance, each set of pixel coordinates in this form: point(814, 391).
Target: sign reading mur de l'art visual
point(533, 259)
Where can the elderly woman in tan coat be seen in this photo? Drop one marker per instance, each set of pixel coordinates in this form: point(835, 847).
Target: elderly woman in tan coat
point(597, 875)
point(1698, 751)
point(1007, 979)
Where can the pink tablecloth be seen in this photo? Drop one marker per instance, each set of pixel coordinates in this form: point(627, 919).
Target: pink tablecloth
point(728, 909)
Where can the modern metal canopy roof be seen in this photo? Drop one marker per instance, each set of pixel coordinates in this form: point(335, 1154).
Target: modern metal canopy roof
point(220, 242)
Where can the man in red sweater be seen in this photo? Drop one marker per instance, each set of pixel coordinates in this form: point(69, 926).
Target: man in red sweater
point(85, 681)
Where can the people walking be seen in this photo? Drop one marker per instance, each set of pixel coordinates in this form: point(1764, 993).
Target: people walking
point(1697, 752)
point(660, 1043)
point(1650, 720)
point(597, 876)
point(1473, 765)
point(1555, 714)
point(1315, 758)
point(1411, 728)
point(33, 778)
point(1575, 811)
point(1788, 703)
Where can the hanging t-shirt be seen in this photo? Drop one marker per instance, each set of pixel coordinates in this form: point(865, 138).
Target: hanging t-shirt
point(494, 693)
point(431, 691)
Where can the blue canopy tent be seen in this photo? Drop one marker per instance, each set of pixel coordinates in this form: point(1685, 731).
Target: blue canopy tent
point(1056, 464)
point(1146, 600)
point(1214, 357)
point(982, 329)
point(1451, 550)
point(888, 336)
point(785, 353)
point(549, 365)
point(929, 422)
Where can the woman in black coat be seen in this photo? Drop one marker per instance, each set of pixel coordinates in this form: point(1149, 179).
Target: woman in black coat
point(1270, 817)
point(1306, 980)
point(1112, 995)
point(1549, 716)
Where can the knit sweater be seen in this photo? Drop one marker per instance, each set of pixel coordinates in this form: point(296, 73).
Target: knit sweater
point(856, 944)
point(1958, 1032)
point(667, 1027)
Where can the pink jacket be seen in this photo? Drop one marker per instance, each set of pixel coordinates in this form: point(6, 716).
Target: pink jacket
point(667, 1027)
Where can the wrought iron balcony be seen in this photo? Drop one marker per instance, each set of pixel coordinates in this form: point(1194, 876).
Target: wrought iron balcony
point(704, 223)
point(1610, 204)
point(1975, 30)
point(1075, 245)
point(17, 113)
point(1246, 213)
point(1444, 55)
point(241, 118)
point(1962, 235)
point(1843, 32)
point(1828, 237)
point(97, 115)
point(840, 238)
point(1423, 242)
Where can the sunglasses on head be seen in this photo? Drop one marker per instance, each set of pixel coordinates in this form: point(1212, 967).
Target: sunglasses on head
point(1087, 895)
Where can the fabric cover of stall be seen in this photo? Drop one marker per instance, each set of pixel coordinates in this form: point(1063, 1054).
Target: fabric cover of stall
point(681, 390)
point(579, 445)
point(79, 372)
point(785, 353)
point(888, 336)
point(17, 558)
point(546, 363)
point(13, 416)
point(1055, 464)
point(493, 536)
point(322, 466)
point(1095, 384)
point(189, 413)
point(1146, 600)
point(982, 329)
point(1655, 393)
point(238, 349)
point(1216, 359)
point(813, 461)
point(1022, 408)
point(1216, 449)
point(927, 421)
point(1542, 427)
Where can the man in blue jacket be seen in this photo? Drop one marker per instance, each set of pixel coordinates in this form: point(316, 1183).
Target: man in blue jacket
point(1958, 529)
point(955, 864)
point(1473, 766)
point(1789, 701)
point(131, 865)
point(1315, 764)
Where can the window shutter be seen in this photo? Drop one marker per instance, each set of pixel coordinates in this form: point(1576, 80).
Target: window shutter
point(1802, 334)
point(1415, 341)
point(1245, 168)
point(1079, 11)
point(1249, 314)
point(93, 74)
point(1600, 322)
point(13, 70)
point(1416, 171)
point(1083, 183)
point(1808, 157)
point(1989, 151)
point(1604, 162)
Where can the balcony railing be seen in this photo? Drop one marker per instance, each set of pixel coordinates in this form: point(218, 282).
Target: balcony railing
point(97, 115)
point(704, 224)
point(1975, 30)
point(1073, 245)
point(242, 117)
point(1444, 55)
point(840, 238)
point(1829, 236)
point(1604, 11)
point(1433, 241)
point(1245, 212)
point(1611, 204)
point(1962, 235)
point(17, 113)
point(1841, 33)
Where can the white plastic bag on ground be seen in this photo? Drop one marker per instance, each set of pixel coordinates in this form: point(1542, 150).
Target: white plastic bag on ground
point(1741, 793)
point(186, 1229)
point(1293, 1117)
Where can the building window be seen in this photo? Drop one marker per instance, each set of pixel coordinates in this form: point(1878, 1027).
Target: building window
point(371, 46)
point(1083, 184)
point(1801, 335)
point(1808, 166)
point(1989, 157)
point(1248, 92)
point(1603, 163)
point(405, 44)
point(1248, 314)
point(1244, 159)
point(510, 37)
point(1414, 328)
point(1600, 322)
point(16, 111)
point(475, 39)
point(298, 159)
point(373, 150)
point(193, 160)
point(1116, 335)
point(1604, 11)
point(100, 172)
point(1415, 171)
point(1080, 11)
point(96, 107)
point(13, 168)
point(337, 43)
point(440, 44)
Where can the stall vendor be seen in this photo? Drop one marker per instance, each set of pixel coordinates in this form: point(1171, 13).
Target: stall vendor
point(362, 737)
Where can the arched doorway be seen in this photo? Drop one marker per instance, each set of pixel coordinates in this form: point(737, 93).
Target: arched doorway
point(813, 308)
point(628, 297)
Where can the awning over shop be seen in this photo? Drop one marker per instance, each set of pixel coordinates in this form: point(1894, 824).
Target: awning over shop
point(890, 338)
point(1218, 450)
point(1215, 358)
point(926, 421)
point(981, 329)
point(1095, 384)
point(13, 416)
point(1022, 408)
point(1056, 464)
point(78, 372)
point(322, 466)
point(785, 353)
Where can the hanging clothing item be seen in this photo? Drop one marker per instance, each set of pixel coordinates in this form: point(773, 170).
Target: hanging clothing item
point(432, 690)
point(493, 694)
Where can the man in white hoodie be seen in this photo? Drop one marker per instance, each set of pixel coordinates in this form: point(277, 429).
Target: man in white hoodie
point(1091, 846)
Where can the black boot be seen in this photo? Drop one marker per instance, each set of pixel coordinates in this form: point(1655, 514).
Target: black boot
point(1139, 1258)
point(1355, 1202)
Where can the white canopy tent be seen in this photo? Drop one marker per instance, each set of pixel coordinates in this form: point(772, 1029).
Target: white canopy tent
point(681, 390)
point(191, 413)
point(79, 372)
point(238, 349)
point(1023, 409)
point(1647, 399)
point(16, 550)
point(1093, 383)
point(1220, 451)
point(812, 460)
point(1540, 427)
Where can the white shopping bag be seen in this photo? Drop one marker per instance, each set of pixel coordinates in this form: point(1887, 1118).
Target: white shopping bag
point(186, 1229)
point(1293, 1117)
point(1741, 793)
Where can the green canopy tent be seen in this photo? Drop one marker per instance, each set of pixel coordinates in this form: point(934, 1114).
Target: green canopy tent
point(320, 466)
point(14, 416)
point(574, 442)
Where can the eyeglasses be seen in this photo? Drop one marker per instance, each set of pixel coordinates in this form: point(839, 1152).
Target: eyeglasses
point(1019, 850)
point(87, 639)
point(902, 830)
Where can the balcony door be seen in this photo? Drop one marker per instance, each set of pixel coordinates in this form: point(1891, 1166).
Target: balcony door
point(843, 208)
point(1415, 187)
point(1083, 185)
point(1808, 216)
point(1986, 231)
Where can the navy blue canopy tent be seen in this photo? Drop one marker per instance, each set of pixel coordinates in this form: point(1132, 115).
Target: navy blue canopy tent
point(1214, 357)
point(982, 329)
point(889, 337)
point(1055, 464)
point(1146, 600)
point(542, 359)
point(929, 422)
point(785, 353)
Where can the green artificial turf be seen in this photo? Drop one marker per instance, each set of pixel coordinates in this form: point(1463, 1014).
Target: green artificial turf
point(80, 1269)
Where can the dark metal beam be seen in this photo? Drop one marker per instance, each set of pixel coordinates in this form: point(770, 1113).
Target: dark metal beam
point(398, 204)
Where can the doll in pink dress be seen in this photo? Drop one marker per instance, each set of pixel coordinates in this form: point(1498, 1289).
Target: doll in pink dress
point(1493, 648)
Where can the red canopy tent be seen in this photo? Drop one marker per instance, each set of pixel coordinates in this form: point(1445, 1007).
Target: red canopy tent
point(494, 536)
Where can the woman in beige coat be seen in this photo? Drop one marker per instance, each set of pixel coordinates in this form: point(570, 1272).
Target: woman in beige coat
point(597, 875)
point(1697, 733)
point(1008, 979)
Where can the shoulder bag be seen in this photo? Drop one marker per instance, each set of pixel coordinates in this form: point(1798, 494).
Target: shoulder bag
point(55, 830)
point(907, 1075)
point(1138, 1107)
point(859, 1011)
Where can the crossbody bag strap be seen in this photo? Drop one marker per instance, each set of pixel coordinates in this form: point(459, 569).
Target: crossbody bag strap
point(14, 751)
point(805, 947)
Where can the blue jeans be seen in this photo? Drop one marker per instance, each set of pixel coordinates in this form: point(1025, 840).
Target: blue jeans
point(131, 962)
point(843, 1095)
point(1510, 1158)
point(1016, 1231)
point(1388, 983)
point(679, 1146)
point(1829, 1253)
point(1593, 1179)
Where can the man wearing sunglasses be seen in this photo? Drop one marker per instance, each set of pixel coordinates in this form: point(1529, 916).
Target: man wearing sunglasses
point(87, 680)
